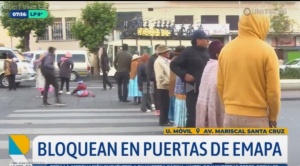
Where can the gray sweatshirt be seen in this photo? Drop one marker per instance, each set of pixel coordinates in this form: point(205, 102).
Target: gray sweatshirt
point(48, 63)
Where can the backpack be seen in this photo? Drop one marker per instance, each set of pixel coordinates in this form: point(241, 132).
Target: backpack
point(13, 68)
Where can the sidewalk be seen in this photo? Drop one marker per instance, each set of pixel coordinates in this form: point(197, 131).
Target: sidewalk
point(290, 84)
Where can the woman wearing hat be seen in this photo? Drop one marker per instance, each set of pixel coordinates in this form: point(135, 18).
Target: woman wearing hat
point(133, 83)
point(209, 109)
point(179, 93)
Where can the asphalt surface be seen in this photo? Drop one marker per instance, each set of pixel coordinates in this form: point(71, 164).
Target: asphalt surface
point(21, 113)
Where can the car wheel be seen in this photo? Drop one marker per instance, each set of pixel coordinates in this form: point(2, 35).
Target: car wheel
point(18, 83)
point(4, 81)
point(73, 76)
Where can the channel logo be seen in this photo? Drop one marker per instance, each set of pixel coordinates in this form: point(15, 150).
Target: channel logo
point(19, 146)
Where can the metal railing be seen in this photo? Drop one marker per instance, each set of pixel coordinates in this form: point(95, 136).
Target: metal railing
point(57, 31)
point(68, 27)
point(46, 35)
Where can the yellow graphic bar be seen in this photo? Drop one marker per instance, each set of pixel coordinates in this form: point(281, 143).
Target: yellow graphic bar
point(225, 131)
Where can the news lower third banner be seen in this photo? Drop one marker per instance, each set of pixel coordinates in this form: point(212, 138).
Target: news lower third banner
point(202, 150)
point(226, 131)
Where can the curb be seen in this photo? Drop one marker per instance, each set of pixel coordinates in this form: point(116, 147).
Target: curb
point(290, 99)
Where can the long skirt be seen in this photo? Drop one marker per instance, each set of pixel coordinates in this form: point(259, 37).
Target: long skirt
point(40, 81)
point(172, 108)
point(133, 88)
point(180, 113)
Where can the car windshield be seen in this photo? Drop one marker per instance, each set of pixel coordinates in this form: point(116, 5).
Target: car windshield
point(294, 62)
point(27, 56)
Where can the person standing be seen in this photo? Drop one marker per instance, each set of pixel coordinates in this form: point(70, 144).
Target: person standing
point(162, 77)
point(122, 64)
point(105, 67)
point(146, 104)
point(248, 77)
point(209, 109)
point(65, 66)
point(49, 74)
point(40, 80)
point(173, 112)
point(151, 79)
point(11, 70)
point(133, 83)
point(189, 66)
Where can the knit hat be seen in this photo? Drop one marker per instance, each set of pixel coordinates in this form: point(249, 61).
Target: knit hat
point(68, 55)
point(215, 48)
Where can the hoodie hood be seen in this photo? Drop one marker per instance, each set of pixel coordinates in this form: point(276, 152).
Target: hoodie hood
point(254, 25)
point(64, 58)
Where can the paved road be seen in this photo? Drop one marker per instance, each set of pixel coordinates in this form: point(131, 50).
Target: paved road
point(20, 112)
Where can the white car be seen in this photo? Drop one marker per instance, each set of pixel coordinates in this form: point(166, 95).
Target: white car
point(294, 64)
point(25, 70)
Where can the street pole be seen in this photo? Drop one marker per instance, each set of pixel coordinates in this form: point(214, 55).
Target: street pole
point(11, 42)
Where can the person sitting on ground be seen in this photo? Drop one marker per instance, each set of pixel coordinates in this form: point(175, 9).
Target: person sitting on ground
point(81, 90)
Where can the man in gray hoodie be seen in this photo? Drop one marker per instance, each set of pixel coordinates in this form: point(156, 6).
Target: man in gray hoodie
point(48, 71)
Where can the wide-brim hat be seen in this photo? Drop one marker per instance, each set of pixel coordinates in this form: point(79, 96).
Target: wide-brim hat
point(135, 56)
point(162, 48)
point(178, 50)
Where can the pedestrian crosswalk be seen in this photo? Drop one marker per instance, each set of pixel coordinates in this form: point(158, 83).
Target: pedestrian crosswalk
point(60, 121)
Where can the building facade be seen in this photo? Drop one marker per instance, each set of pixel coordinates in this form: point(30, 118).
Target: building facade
point(220, 19)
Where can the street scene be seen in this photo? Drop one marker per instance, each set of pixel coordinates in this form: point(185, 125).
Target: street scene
point(136, 68)
point(22, 113)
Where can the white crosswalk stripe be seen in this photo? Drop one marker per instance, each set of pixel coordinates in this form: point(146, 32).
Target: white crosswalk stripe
point(58, 121)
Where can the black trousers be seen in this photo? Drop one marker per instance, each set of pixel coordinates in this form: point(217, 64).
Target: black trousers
point(50, 80)
point(191, 101)
point(164, 99)
point(122, 81)
point(146, 99)
point(12, 82)
point(64, 80)
point(156, 96)
point(105, 80)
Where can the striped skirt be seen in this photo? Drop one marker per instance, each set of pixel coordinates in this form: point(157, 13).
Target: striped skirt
point(172, 108)
point(133, 88)
point(180, 113)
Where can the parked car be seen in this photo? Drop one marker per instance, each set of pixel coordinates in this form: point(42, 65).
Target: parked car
point(25, 70)
point(295, 64)
point(80, 58)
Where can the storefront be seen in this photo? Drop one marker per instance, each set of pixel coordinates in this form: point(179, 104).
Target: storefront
point(287, 48)
point(217, 31)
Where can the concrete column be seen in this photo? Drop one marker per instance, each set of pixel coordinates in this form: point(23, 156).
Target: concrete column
point(63, 20)
point(50, 32)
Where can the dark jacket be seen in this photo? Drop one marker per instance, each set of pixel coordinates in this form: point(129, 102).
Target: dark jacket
point(142, 75)
point(123, 61)
point(65, 67)
point(150, 68)
point(191, 61)
point(48, 64)
point(104, 64)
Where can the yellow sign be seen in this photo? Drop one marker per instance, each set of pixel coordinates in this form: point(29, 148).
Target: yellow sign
point(225, 131)
point(153, 32)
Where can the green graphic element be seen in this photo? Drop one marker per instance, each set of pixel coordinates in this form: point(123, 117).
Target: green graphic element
point(37, 14)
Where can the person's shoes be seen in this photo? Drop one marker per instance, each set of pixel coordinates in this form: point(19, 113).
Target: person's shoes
point(166, 124)
point(110, 87)
point(68, 93)
point(60, 104)
point(46, 104)
point(148, 111)
point(60, 92)
point(135, 103)
point(126, 101)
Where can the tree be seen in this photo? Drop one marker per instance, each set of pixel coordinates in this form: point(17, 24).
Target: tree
point(281, 24)
point(96, 23)
point(22, 28)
